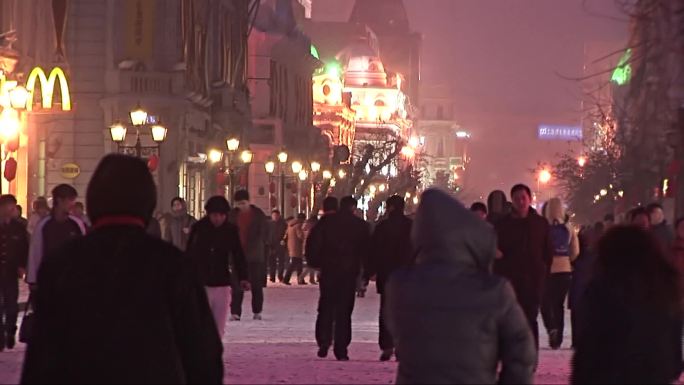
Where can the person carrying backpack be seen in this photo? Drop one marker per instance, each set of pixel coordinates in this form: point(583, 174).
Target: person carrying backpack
point(565, 250)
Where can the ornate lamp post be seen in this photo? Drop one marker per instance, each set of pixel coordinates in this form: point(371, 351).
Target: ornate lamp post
point(139, 119)
point(232, 168)
point(282, 159)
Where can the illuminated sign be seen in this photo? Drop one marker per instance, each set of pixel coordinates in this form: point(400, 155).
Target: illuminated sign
point(623, 71)
point(546, 132)
point(70, 171)
point(47, 87)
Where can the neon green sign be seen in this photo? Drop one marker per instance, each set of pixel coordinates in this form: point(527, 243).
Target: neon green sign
point(623, 72)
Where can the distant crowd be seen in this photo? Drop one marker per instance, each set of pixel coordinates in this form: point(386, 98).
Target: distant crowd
point(117, 296)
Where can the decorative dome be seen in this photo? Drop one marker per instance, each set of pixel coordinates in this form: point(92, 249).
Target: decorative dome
point(365, 71)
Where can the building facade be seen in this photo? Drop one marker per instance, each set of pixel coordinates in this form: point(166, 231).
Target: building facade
point(182, 61)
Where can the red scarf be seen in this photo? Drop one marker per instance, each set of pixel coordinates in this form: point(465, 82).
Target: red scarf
point(118, 220)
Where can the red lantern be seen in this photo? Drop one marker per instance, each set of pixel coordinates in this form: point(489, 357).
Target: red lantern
point(10, 169)
point(274, 202)
point(272, 188)
point(153, 163)
point(13, 144)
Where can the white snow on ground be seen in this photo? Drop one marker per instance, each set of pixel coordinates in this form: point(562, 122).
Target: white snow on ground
point(281, 349)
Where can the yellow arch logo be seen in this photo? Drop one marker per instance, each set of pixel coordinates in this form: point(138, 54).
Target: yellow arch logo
point(47, 87)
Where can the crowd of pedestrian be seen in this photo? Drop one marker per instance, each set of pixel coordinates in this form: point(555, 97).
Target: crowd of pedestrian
point(460, 288)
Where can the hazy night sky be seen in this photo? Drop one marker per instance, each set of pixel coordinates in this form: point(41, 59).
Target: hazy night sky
point(501, 57)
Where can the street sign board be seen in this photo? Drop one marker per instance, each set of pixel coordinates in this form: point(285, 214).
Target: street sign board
point(553, 132)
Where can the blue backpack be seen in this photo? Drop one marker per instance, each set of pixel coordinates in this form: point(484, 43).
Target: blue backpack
point(560, 239)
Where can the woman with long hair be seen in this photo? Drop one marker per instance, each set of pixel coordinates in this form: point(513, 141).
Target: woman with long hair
point(631, 319)
point(565, 246)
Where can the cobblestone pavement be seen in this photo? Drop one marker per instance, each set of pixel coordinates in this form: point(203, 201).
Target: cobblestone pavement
point(281, 348)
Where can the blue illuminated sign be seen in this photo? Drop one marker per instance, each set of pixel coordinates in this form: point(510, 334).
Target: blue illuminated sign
point(547, 132)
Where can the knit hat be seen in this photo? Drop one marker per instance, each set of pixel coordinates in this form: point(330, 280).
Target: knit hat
point(121, 186)
point(217, 204)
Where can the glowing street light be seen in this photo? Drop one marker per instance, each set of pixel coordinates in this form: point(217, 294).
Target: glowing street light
point(315, 166)
point(282, 157)
point(603, 192)
point(342, 174)
point(215, 155)
point(372, 189)
point(382, 187)
point(415, 200)
point(118, 132)
point(414, 142)
point(138, 116)
point(297, 167)
point(408, 152)
point(545, 176)
point(10, 125)
point(158, 133)
point(581, 161)
point(247, 156)
point(303, 175)
point(408, 195)
point(327, 174)
point(270, 167)
point(462, 134)
point(621, 193)
point(18, 97)
point(232, 144)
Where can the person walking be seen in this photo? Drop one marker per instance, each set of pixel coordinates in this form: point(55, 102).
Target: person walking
point(640, 217)
point(215, 248)
point(40, 211)
point(565, 250)
point(295, 245)
point(119, 306)
point(277, 258)
point(582, 272)
point(17, 215)
point(337, 246)
point(254, 238)
point(631, 319)
point(14, 246)
point(54, 231)
point(452, 320)
point(308, 270)
point(480, 209)
point(526, 254)
point(176, 225)
point(390, 249)
point(496, 205)
point(659, 225)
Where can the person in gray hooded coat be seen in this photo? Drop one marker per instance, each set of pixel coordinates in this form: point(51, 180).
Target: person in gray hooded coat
point(451, 319)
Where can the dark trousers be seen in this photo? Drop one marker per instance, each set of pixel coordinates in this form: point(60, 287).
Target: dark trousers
point(553, 308)
point(296, 264)
point(335, 308)
point(257, 278)
point(9, 303)
point(385, 338)
point(530, 306)
point(277, 259)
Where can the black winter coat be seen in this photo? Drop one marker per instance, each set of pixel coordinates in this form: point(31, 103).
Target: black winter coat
point(119, 306)
point(452, 320)
point(390, 248)
point(527, 253)
point(14, 247)
point(216, 252)
point(338, 245)
point(622, 342)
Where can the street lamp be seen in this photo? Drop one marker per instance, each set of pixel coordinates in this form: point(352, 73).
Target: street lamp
point(581, 161)
point(118, 132)
point(270, 167)
point(247, 156)
point(544, 176)
point(158, 133)
point(138, 116)
point(282, 157)
point(10, 124)
point(342, 174)
point(215, 155)
point(296, 167)
point(232, 144)
point(18, 97)
point(327, 174)
point(315, 166)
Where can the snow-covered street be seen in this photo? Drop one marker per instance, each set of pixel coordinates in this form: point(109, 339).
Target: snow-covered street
point(281, 348)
